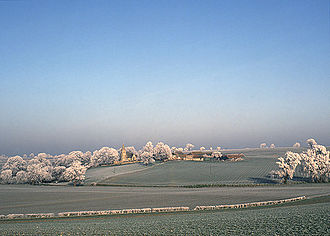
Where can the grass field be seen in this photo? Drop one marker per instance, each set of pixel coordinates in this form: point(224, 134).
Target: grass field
point(252, 170)
point(305, 218)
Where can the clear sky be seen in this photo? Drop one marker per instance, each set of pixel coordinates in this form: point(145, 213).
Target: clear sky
point(79, 75)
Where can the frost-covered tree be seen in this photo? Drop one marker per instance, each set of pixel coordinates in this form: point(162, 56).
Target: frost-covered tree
point(39, 170)
point(38, 174)
point(272, 145)
point(75, 173)
point(6, 177)
point(3, 157)
point(296, 145)
point(58, 172)
point(316, 162)
point(148, 147)
point(311, 142)
point(173, 150)
point(263, 145)
point(146, 153)
point(36, 170)
point(104, 156)
point(65, 160)
point(216, 155)
point(162, 151)
point(41, 158)
point(145, 156)
point(44, 167)
point(131, 150)
point(84, 158)
point(22, 177)
point(189, 147)
point(44, 155)
point(15, 164)
point(287, 166)
point(202, 149)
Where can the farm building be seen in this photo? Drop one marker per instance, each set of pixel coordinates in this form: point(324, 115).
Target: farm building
point(233, 156)
point(203, 155)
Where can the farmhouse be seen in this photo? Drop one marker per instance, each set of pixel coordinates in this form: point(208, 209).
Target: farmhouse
point(190, 156)
point(203, 155)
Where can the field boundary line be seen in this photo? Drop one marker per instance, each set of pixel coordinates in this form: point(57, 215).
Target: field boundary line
point(198, 185)
point(147, 210)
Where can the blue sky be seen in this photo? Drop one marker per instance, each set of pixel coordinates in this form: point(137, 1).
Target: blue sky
point(79, 75)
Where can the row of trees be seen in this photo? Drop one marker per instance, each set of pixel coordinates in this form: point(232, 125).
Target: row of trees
point(45, 168)
point(313, 163)
point(264, 145)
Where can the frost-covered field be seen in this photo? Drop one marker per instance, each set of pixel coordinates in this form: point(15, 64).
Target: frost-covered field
point(309, 219)
point(100, 173)
point(252, 170)
point(53, 199)
point(178, 173)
